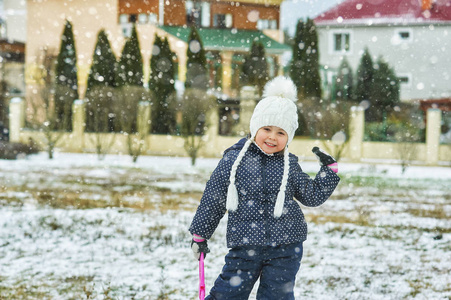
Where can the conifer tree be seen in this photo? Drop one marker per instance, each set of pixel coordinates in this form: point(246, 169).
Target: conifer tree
point(364, 80)
point(102, 81)
point(298, 59)
point(304, 68)
point(130, 66)
point(344, 82)
point(162, 84)
point(196, 65)
point(66, 84)
point(255, 67)
point(385, 93)
point(310, 67)
point(130, 85)
point(103, 68)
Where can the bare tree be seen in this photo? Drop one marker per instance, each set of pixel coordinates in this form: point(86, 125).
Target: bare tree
point(406, 152)
point(126, 113)
point(99, 99)
point(329, 124)
point(339, 142)
point(43, 116)
point(195, 106)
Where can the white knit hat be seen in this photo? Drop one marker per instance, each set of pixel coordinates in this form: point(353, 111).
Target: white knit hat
point(277, 108)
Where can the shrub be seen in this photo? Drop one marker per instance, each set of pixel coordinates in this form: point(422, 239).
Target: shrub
point(15, 150)
point(404, 124)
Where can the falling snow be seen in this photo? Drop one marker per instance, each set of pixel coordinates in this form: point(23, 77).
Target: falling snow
point(382, 235)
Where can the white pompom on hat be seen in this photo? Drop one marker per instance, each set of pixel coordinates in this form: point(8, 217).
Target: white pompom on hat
point(277, 108)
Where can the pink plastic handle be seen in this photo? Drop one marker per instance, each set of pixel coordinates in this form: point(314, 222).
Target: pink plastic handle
point(201, 277)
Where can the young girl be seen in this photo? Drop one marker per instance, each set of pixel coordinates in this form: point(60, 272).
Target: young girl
point(256, 181)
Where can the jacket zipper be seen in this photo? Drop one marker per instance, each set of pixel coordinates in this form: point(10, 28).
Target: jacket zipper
point(266, 200)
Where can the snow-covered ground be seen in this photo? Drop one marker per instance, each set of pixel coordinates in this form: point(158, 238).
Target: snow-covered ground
point(76, 227)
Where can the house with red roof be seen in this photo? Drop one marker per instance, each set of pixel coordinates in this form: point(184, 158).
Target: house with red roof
point(413, 36)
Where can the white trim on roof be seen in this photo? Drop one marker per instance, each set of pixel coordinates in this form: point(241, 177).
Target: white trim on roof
point(380, 21)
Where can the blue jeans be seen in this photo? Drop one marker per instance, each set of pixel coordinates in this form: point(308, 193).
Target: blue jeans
point(275, 266)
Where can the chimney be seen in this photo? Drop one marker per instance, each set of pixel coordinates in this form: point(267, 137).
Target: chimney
point(426, 4)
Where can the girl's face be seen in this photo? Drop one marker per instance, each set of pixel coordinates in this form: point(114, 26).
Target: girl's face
point(271, 139)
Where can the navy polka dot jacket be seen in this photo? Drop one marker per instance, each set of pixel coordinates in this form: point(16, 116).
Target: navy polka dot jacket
point(258, 179)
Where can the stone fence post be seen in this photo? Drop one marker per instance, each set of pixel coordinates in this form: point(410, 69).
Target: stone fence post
point(16, 118)
point(212, 119)
point(78, 123)
point(248, 96)
point(143, 118)
point(434, 119)
point(356, 131)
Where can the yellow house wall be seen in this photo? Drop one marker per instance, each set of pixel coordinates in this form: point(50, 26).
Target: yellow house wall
point(46, 24)
point(87, 18)
point(385, 150)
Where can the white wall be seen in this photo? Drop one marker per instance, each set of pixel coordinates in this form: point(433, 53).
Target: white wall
point(15, 15)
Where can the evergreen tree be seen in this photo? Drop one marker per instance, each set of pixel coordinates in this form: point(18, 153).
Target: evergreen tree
point(304, 68)
point(310, 67)
point(130, 66)
point(66, 85)
point(344, 81)
point(103, 68)
point(255, 67)
point(196, 65)
point(102, 81)
point(385, 91)
point(130, 85)
point(298, 59)
point(162, 84)
point(365, 74)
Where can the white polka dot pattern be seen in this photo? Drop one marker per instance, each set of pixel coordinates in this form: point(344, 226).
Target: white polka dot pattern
point(258, 180)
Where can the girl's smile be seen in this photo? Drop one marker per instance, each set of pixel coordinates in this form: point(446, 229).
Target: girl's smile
point(271, 139)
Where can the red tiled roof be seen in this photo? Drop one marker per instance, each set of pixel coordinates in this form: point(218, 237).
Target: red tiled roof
point(385, 11)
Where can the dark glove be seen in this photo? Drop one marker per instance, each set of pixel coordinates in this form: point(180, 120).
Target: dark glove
point(199, 247)
point(325, 159)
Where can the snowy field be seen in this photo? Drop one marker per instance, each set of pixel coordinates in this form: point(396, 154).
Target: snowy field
point(79, 228)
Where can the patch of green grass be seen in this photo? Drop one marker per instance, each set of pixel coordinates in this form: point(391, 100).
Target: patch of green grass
point(383, 182)
point(417, 286)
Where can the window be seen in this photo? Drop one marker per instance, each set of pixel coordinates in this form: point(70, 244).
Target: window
point(147, 18)
point(127, 29)
point(153, 18)
point(266, 24)
point(340, 42)
point(405, 79)
point(205, 14)
point(150, 18)
point(131, 18)
point(142, 18)
point(197, 13)
point(404, 35)
point(222, 21)
point(123, 19)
